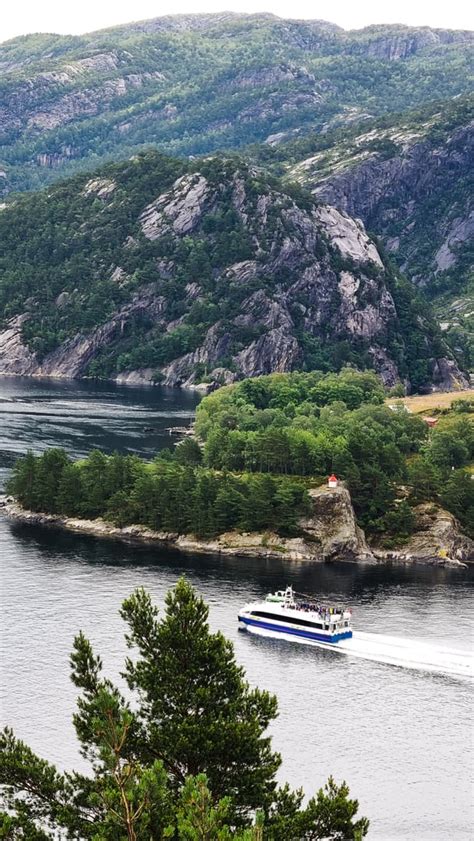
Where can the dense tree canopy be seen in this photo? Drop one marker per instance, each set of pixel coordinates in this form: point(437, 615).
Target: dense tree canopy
point(163, 495)
point(313, 424)
point(219, 83)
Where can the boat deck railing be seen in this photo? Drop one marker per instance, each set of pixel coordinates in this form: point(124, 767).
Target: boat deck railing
point(326, 613)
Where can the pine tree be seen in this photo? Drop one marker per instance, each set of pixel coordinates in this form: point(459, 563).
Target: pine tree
point(185, 759)
point(48, 475)
point(198, 713)
point(188, 452)
point(69, 497)
point(22, 482)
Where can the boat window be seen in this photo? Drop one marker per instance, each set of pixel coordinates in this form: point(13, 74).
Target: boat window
point(293, 620)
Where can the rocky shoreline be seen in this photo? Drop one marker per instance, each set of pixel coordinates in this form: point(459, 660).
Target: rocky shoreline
point(330, 534)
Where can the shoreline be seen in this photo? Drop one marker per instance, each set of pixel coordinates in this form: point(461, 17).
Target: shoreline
point(202, 389)
point(235, 544)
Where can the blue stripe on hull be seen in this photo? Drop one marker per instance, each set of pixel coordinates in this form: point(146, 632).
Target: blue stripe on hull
point(311, 635)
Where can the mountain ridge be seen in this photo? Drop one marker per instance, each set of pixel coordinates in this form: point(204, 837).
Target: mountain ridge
point(202, 87)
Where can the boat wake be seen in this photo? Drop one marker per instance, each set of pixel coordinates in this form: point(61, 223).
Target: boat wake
point(410, 654)
point(396, 651)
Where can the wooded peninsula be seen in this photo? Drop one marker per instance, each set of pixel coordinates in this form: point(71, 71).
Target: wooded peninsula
point(260, 445)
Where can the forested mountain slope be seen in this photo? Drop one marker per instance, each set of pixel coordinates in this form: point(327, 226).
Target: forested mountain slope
point(160, 269)
point(193, 84)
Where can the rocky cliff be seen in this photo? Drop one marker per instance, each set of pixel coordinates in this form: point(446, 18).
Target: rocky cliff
point(156, 270)
point(411, 183)
point(437, 540)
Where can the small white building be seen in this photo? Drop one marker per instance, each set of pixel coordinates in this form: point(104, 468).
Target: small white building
point(332, 481)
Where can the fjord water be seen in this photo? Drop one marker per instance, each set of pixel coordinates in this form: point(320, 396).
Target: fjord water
point(401, 735)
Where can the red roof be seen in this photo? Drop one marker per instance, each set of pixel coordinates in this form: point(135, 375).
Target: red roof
point(332, 478)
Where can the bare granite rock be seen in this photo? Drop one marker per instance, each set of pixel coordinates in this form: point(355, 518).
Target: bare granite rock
point(348, 235)
point(332, 526)
point(215, 346)
point(329, 533)
point(15, 357)
point(180, 210)
point(103, 188)
point(389, 191)
point(312, 273)
point(71, 358)
point(274, 351)
point(461, 230)
point(437, 541)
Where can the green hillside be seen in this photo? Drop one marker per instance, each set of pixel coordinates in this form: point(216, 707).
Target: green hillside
point(197, 84)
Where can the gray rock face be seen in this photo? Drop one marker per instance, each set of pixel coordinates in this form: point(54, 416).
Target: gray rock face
point(103, 188)
point(460, 231)
point(348, 235)
point(73, 357)
point(118, 90)
point(15, 358)
point(314, 294)
point(261, 311)
point(180, 210)
point(445, 375)
point(75, 90)
point(274, 351)
point(215, 346)
point(329, 533)
point(142, 376)
point(437, 540)
point(405, 42)
point(332, 526)
point(417, 199)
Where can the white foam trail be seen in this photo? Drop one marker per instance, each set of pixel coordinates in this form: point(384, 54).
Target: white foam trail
point(395, 651)
point(409, 653)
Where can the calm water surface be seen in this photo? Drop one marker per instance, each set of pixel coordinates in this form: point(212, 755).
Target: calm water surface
point(401, 737)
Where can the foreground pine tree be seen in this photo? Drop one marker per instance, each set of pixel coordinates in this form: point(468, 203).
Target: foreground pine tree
point(187, 760)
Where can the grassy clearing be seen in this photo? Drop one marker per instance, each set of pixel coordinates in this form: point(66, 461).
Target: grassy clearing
point(426, 403)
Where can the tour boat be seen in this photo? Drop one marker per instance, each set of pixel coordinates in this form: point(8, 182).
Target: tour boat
point(286, 613)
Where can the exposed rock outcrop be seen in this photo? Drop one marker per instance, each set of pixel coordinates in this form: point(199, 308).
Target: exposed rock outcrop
point(437, 540)
point(332, 525)
point(395, 43)
point(71, 360)
point(330, 533)
point(274, 351)
point(179, 210)
point(411, 186)
point(348, 235)
point(215, 346)
point(460, 231)
point(15, 357)
point(146, 82)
